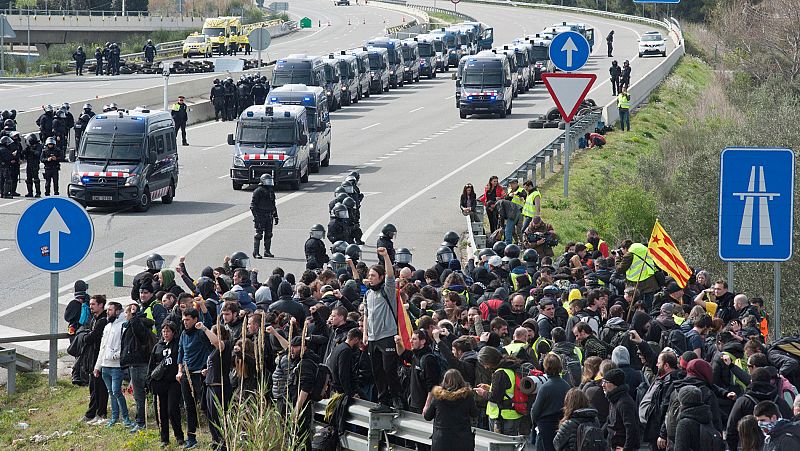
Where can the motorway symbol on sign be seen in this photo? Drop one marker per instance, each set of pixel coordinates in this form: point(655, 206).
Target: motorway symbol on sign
point(569, 51)
point(55, 234)
point(756, 197)
point(259, 39)
point(568, 91)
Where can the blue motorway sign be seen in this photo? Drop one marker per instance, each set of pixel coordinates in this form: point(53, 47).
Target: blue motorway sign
point(756, 197)
point(569, 51)
point(54, 234)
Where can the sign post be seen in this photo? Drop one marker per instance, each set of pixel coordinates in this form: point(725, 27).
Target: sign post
point(455, 4)
point(54, 234)
point(259, 40)
point(756, 210)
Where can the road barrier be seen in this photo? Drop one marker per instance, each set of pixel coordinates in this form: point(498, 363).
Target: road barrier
point(13, 362)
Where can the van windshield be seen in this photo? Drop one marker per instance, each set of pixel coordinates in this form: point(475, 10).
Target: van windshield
point(479, 79)
point(274, 134)
point(311, 116)
point(280, 78)
point(213, 32)
point(541, 53)
point(344, 69)
point(408, 53)
point(375, 62)
point(438, 46)
point(330, 73)
point(521, 62)
point(112, 147)
point(394, 57)
point(425, 50)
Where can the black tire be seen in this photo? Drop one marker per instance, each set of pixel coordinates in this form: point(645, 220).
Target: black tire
point(553, 114)
point(416, 80)
point(314, 167)
point(503, 112)
point(144, 201)
point(664, 54)
point(536, 123)
point(551, 124)
point(237, 186)
point(304, 178)
point(510, 106)
point(186, 55)
point(327, 161)
point(386, 89)
point(590, 102)
point(170, 196)
point(562, 125)
point(295, 184)
point(462, 114)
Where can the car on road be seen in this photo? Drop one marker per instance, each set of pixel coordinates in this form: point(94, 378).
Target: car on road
point(196, 45)
point(652, 43)
point(342, 3)
point(126, 158)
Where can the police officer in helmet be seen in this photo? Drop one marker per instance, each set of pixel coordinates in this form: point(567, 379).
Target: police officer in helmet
point(32, 154)
point(388, 233)
point(443, 256)
point(155, 263)
point(355, 226)
point(264, 214)
point(315, 248)
point(339, 225)
point(354, 252)
point(339, 247)
point(404, 256)
point(451, 240)
point(6, 158)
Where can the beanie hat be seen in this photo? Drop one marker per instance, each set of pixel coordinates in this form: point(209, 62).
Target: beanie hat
point(81, 286)
point(616, 376)
point(146, 286)
point(620, 356)
point(489, 357)
point(673, 288)
point(668, 308)
point(690, 395)
point(687, 357)
point(700, 369)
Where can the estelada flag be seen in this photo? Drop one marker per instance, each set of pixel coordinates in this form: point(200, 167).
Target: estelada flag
point(403, 322)
point(667, 256)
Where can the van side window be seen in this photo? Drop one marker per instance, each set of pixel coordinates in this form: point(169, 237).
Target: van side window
point(169, 142)
point(151, 147)
point(160, 144)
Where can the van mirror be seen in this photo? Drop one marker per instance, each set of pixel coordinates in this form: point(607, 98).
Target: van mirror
point(458, 83)
point(230, 139)
point(453, 76)
point(508, 82)
point(152, 157)
point(303, 140)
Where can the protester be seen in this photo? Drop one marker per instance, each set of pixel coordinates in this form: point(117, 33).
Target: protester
point(452, 409)
point(577, 413)
point(163, 367)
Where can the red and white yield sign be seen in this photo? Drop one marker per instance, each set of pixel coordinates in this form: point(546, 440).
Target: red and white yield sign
point(568, 91)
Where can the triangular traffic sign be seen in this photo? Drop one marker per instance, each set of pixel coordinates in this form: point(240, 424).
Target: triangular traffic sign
point(568, 91)
point(5, 29)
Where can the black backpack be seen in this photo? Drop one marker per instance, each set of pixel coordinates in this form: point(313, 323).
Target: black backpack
point(321, 383)
point(618, 338)
point(590, 438)
point(710, 439)
point(674, 339)
point(325, 439)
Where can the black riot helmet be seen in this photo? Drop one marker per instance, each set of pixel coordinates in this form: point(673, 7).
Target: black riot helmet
point(403, 256)
point(339, 246)
point(155, 262)
point(356, 175)
point(444, 255)
point(50, 141)
point(352, 180)
point(530, 257)
point(5, 114)
point(339, 190)
point(348, 187)
point(341, 197)
point(349, 202)
point(389, 231)
point(317, 231)
point(239, 260)
point(338, 262)
point(499, 248)
point(267, 180)
point(339, 211)
point(486, 252)
point(6, 141)
point(354, 252)
point(450, 239)
point(32, 139)
point(512, 251)
point(87, 107)
point(9, 124)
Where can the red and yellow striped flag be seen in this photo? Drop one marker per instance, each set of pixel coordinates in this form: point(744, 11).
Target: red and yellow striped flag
point(667, 256)
point(403, 322)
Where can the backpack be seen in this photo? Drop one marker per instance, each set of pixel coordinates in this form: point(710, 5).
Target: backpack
point(440, 361)
point(325, 439)
point(561, 261)
point(571, 368)
point(674, 339)
point(591, 321)
point(590, 438)
point(741, 363)
point(618, 338)
point(710, 439)
point(491, 312)
point(520, 400)
point(322, 381)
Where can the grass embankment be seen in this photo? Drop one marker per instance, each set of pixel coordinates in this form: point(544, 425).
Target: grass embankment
point(444, 18)
point(53, 418)
point(606, 190)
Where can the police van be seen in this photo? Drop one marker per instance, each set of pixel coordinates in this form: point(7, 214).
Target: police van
point(541, 55)
point(348, 75)
point(395, 55)
point(270, 139)
point(410, 61)
point(431, 52)
point(333, 85)
point(485, 35)
point(452, 41)
point(378, 69)
point(486, 85)
point(126, 158)
point(362, 61)
point(523, 66)
point(315, 101)
point(299, 68)
point(515, 79)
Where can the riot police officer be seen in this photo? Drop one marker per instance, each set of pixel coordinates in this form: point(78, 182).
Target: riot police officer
point(355, 226)
point(443, 256)
point(404, 258)
point(16, 151)
point(51, 156)
point(154, 264)
point(315, 248)
point(230, 99)
point(60, 130)
point(531, 260)
point(98, 58)
point(149, 51)
point(32, 154)
point(451, 240)
point(338, 198)
point(259, 92)
point(80, 58)
point(352, 179)
point(115, 58)
point(70, 121)
point(81, 124)
point(218, 100)
point(388, 233)
point(339, 247)
point(339, 226)
point(264, 214)
point(243, 93)
point(354, 252)
point(45, 123)
point(6, 158)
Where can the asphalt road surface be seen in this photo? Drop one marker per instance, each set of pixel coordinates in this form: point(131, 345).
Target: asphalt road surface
point(413, 152)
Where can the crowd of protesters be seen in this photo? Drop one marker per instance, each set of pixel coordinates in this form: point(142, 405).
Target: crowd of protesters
point(592, 349)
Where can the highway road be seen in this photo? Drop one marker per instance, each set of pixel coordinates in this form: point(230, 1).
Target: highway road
point(364, 22)
point(413, 151)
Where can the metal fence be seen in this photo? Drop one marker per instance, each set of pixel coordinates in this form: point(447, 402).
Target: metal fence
point(171, 47)
point(74, 12)
point(431, 9)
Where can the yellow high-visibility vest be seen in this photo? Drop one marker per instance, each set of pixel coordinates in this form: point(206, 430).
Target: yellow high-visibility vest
point(643, 266)
point(529, 209)
point(493, 411)
point(624, 101)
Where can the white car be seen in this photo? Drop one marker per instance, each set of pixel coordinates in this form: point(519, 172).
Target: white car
point(652, 43)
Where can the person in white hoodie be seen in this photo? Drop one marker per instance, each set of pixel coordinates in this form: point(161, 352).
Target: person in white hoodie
point(108, 364)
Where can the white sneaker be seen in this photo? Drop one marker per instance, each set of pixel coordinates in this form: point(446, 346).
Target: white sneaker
point(98, 421)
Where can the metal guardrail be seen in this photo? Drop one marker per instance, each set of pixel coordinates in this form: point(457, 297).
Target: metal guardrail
point(8, 359)
point(76, 12)
point(162, 47)
point(410, 428)
point(431, 9)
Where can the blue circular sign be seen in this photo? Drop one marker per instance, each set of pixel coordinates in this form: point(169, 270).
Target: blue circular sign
point(569, 51)
point(54, 234)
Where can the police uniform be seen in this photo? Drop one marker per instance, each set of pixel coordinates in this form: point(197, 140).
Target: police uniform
point(45, 123)
point(264, 213)
point(5, 166)
point(32, 154)
point(338, 230)
point(218, 100)
point(315, 253)
point(386, 242)
point(51, 156)
point(259, 93)
point(230, 99)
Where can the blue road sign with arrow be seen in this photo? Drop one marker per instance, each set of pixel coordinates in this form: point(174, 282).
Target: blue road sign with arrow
point(569, 51)
point(55, 234)
point(756, 197)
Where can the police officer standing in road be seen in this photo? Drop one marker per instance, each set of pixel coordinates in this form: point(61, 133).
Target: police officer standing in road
point(259, 91)
point(51, 156)
point(230, 99)
point(6, 158)
point(70, 121)
point(217, 98)
point(149, 51)
point(16, 151)
point(181, 117)
point(82, 122)
point(98, 58)
point(60, 130)
point(625, 80)
point(115, 55)
point(616, 72)
point(354, 224)
point(107, 56)
point(45, 123)
point(264, 213)
point(610, 42)
point(388, 233)
point(339, 226)
point(243, 88)
point(315, 248)
point(80, 59)
point(233, 45)
point(32, 154)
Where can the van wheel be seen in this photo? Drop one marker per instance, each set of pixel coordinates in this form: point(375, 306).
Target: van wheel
point(367, 93)
point(503, 111)
point(510, 106)
point(144, 201)
point(304, 177)
point(237, 186)
point(170, 196)
point(386, 89)
point(416, 80)
point(462, 115)
point(327, 161)
point(186, 55)
point(295, 184)
point(358, 97)
point(314, 167)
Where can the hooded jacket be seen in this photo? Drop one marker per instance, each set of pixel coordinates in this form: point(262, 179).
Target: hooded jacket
point(167, 282)
point(137, 337)
point(694, 413)
point(633, 378)
point(597, 399)
point(286, 304)
point(723, 374)
point(708, 398)
point(425, 374)
point(622, 425)
point(756, 392)
point(613, 326)
point(567, 435)
point(785, 435)
point(111, 345)
point(452, 413)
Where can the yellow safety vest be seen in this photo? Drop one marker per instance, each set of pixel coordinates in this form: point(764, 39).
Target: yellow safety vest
point(148, 312)
point(514, 347)
point(623, 101)
point(493, 411)
point(529, 209)
point(516, 198)
point(535, 346)
point(515, 280)
point(176, 107)
point(643, 266)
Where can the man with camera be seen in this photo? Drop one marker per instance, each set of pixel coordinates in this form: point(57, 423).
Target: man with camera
point(540, 236)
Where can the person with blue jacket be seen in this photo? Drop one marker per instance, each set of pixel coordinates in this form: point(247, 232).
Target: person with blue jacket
point(194, 347)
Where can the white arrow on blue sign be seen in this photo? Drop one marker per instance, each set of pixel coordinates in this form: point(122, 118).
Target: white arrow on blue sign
point(569, 51)
point(756, 198)
point(55, 234)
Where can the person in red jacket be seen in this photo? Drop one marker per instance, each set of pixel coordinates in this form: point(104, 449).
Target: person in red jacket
point(595, 140)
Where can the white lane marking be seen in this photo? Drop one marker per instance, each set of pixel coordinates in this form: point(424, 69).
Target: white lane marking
point(204, 124)
point(214, 147)
point(370, 126)
point(181, 246)
point(451, 97)
point(335, 176)
point(329, 180)
point(396, 208)
point(40, 95)
point(319, 184)
point(4, 249)
point(11, 203)
point(223, 176)
point(416, 109)
point(369, 164)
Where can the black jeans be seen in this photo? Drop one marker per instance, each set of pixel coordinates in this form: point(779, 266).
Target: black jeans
point(168, 395)
point(191, 396)
point(50, 177)
point(181, 127)
point(384, 369)
point(98, 398)
point(214, 395)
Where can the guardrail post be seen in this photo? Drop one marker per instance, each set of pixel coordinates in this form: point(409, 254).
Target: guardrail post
point(8, 358)
point(118, 256)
